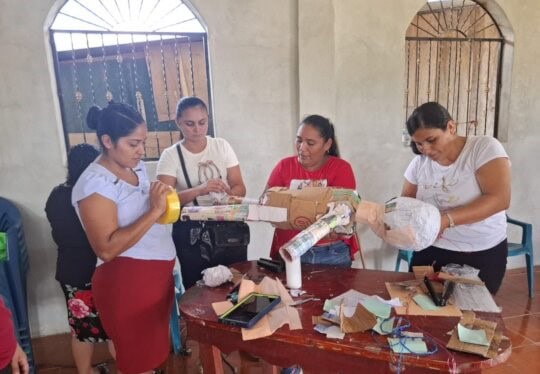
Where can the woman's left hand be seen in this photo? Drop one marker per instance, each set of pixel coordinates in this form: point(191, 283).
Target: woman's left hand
point(158, 197)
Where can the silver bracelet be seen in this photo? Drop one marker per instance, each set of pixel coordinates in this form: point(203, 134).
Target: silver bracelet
point(451, 222)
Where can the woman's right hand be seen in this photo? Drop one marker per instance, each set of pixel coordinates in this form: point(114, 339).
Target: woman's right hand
point(158, 197)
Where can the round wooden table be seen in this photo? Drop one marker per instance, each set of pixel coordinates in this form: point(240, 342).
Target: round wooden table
point(312, 350)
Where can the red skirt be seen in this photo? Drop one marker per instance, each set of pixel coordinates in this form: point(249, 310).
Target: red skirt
point(134, 299)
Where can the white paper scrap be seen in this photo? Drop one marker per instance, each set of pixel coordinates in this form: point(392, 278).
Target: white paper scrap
point(266, 213)
point(395, 302)
point(334, 332)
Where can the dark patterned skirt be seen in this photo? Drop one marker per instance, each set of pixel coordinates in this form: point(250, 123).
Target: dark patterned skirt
point(83, 317)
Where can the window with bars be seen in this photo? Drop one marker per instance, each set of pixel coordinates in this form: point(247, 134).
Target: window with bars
point(453, 56)
point(148, 53)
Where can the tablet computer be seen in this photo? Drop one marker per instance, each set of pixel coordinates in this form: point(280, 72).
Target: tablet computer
point(249, 310)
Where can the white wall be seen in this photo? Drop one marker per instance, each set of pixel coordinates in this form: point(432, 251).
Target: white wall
point(271, 63)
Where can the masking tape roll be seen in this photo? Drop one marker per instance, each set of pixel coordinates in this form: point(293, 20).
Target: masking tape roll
point(172, 212)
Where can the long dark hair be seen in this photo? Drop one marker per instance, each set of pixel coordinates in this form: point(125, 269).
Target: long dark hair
point(326, 130)
point(78, 159)
point(116, 120)
point(430, 115)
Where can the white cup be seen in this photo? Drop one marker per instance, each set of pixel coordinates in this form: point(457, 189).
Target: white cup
point(293, 271)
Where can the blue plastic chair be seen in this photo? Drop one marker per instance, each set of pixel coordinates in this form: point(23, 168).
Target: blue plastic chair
point(174, 322)
point(404, 255)
point(13, 274)
point(525, 247)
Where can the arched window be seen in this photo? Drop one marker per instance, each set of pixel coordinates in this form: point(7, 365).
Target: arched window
point(148, 53)
point(454, 51)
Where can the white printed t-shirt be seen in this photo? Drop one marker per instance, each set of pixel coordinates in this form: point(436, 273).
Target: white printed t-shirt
point(455, 185)
point(211, 163)
point(131, 203)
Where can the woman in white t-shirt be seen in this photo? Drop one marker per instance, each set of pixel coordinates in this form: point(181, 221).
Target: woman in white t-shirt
point(213, 172)
point(118, 208)
point(468, 179)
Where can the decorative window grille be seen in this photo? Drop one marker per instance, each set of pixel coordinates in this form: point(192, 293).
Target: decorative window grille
point(453, 56)
point(147, 53)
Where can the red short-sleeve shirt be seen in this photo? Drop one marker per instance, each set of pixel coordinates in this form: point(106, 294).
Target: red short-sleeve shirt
point(335, 172)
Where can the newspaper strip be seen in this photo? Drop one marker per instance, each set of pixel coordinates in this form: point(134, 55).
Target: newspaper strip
point(339, 215)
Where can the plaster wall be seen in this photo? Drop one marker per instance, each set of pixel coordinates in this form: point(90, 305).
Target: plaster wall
point(271, 63)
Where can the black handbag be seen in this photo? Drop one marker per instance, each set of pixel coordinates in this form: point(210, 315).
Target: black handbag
point(223, 242)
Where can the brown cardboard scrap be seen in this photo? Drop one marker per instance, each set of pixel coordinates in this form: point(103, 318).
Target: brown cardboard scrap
point(319, 320)
point(333, 319)
point(362, 320)
point(470, 321)
point(246, 287)
point(222, 306)
point(281, 314)
point(306, 205)
point(236, 276)
point(303, 206)
point(454, 278)
point(406, 293)
point(421, 271)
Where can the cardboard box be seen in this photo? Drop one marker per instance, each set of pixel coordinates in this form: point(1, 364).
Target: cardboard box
point(306, 205)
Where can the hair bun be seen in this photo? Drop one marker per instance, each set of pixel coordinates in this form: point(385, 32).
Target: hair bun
point(93, 117)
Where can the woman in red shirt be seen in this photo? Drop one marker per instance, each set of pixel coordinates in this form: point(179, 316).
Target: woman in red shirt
point(11, 353)
point(317, 163)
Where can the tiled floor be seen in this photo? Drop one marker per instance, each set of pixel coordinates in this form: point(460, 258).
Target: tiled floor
point(522, 321)
point(521, 317)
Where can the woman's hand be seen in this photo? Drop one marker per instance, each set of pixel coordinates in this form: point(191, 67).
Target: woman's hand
point(158, 197)
point(214, 185)
point(19, 362)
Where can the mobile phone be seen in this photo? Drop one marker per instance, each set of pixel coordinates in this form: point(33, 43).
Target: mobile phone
point(248, 311)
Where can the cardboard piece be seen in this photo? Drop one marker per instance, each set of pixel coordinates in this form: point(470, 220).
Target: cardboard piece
point(281, 314)
point(421, 271)
point(406, 293)
point(222, 306)
point(306, 205)
point(473, 336)
point(330, 317)
point(236, 276)
point(493, 336)
point(318, 320)
point(456, 279)
point(362, 320)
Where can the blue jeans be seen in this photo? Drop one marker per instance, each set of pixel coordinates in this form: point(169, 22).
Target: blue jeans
point(337, 254)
